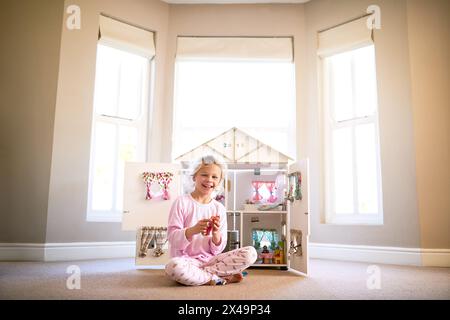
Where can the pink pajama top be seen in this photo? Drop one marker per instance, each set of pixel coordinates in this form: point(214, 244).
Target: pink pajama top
point(185, 213)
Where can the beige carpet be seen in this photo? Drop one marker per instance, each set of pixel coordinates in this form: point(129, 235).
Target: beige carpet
point(118, 279)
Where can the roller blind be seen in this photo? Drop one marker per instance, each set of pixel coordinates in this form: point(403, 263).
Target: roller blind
point(235, 48)
point(126, 37)
point(348, 36)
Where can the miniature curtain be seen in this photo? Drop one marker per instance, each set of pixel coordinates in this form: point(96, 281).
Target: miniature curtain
point(270, 185)
point(257, 185)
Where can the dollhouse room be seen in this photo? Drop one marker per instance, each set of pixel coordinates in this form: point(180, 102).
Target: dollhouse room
point(330, 116)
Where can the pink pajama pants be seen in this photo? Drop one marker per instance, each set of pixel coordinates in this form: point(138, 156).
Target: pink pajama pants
point(193, 272)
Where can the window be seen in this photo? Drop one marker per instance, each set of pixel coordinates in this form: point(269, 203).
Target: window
point(264, 192)
point(225, 82)
point(213, 96)
point(352, 157)
point(119, 127)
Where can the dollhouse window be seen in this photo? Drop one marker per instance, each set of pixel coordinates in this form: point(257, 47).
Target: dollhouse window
point(265, 237)
point(264, 192)
point(120, 112)
point(222, 83)
point(351, 149)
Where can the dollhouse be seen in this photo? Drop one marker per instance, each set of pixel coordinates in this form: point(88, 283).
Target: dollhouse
point(264, 192)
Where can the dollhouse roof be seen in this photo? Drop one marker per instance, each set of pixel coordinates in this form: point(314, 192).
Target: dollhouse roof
point(237, 147)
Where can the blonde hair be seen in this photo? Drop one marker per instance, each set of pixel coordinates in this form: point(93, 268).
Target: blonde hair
point(206, 160)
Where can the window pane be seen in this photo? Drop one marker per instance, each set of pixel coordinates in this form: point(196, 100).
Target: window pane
point(365, 81)
point(353, 95)
point(131, 85)
point(341, 86)
point(211, 97)
point(366, 168)
point(128, 151)
point(103, 167)
point(343, 171)
point(119, 82)
point(106, 80)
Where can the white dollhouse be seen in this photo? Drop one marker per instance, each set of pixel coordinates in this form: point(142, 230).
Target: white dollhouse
point(264, 192)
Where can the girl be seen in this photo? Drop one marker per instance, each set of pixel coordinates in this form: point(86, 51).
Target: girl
point(197, 240)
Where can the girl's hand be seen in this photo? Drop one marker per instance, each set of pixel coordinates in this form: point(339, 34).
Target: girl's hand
point(199, 227)
point(215, 224)
point(216, 235)
point(212, 225)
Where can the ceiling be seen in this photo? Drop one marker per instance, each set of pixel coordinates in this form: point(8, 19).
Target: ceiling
point(235, 1)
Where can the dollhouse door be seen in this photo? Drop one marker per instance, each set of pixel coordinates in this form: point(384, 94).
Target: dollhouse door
point(298, 217)
point(147, 200)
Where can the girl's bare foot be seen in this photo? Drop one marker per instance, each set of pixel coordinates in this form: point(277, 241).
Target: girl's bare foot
point(238, 277)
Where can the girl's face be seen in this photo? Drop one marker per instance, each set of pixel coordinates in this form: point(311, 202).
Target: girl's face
point(207, 179)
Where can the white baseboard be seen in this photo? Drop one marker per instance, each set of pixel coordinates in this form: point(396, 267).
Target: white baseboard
point(66, 251)
point(382, 255)
point(126, 249)
point(89, 250)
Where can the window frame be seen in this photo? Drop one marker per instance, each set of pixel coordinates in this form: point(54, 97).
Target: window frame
point(329, 125)
point(140, 123)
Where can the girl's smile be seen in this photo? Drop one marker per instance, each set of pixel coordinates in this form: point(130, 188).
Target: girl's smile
point(207, 179)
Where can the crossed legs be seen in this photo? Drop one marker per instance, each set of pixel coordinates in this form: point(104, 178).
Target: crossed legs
point(228, 266)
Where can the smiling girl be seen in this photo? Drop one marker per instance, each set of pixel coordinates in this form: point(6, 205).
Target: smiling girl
point(196, 254)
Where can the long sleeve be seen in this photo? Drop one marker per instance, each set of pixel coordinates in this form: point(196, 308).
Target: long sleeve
point(176, 226)
point(216, 249)
point(186, 212)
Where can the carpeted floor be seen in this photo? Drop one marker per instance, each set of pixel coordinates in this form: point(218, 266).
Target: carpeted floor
point(118, 279)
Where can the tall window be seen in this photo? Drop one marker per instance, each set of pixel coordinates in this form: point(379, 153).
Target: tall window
point(352, 157)
point(214, 95)
point(119, 127)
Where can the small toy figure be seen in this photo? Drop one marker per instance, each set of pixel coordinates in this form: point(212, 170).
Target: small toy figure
point(266, 255)
point(278, 256)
